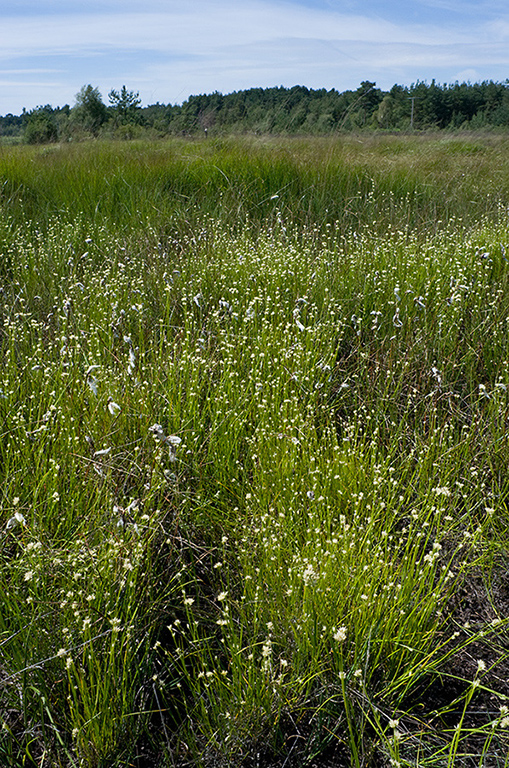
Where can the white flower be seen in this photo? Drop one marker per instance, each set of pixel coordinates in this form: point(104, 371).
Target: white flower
point(16, 519)
point(340, 634)
point(132, 362)
point(171, 441)
point(102, 452)
point(113, 407)
point(92, 384)
point(443, 491)
point(91, 380)
point(157, 432)
point(296, 313)
point(309, 575)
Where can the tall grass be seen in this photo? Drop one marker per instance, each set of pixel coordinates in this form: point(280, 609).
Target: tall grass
point(412, 183)
point(253, 455)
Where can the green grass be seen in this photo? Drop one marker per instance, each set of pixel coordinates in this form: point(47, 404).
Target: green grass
point(315, 572)
point(415, 183)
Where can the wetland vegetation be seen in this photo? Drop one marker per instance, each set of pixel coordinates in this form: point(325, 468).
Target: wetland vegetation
point(253, 452)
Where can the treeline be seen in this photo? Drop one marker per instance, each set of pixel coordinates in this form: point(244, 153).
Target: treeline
point(297, 110)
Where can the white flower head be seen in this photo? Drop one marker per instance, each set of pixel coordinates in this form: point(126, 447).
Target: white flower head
point(92, 385)
point(296, 313)
point(15, 520)
point(132, 362)
point(102, 452)
point(157, 432)
point(170, 441)
point(340, 634)
point(113, 407)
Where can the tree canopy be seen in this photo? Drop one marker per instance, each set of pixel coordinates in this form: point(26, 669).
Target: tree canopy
point(277, 110)
point(90, 112)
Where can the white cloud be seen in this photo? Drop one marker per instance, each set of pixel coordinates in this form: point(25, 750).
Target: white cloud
point(32, 71)
point(468, 75)
point(169, 50)
point(319, 64)
point(200, 28)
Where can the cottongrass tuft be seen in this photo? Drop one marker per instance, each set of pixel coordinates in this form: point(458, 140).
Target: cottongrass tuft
point(113, 407)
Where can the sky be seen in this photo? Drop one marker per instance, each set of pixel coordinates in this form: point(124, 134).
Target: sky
point(168, 50)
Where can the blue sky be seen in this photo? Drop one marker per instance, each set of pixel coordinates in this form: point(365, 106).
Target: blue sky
point(170, 49)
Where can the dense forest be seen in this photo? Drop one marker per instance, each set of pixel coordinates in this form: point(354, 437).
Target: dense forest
point(297, 110)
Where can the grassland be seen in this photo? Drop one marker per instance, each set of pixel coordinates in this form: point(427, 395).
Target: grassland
point(254, 413)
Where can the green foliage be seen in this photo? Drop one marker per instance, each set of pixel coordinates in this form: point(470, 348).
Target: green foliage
point(297, 110)
point(302, 110)
point(40, 126)
point(125, 106)
point(253, 458)
point(11, 125)
point(89, 112)
point(408, 184)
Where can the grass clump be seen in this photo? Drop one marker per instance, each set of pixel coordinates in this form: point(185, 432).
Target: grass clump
point(254, 499)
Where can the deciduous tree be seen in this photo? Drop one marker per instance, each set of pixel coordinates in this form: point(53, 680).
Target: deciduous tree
point(89, 112)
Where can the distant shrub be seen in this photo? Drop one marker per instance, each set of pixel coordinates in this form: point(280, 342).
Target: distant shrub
point(40, 127)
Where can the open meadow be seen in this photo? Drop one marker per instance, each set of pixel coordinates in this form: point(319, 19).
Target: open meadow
point(254, 418)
